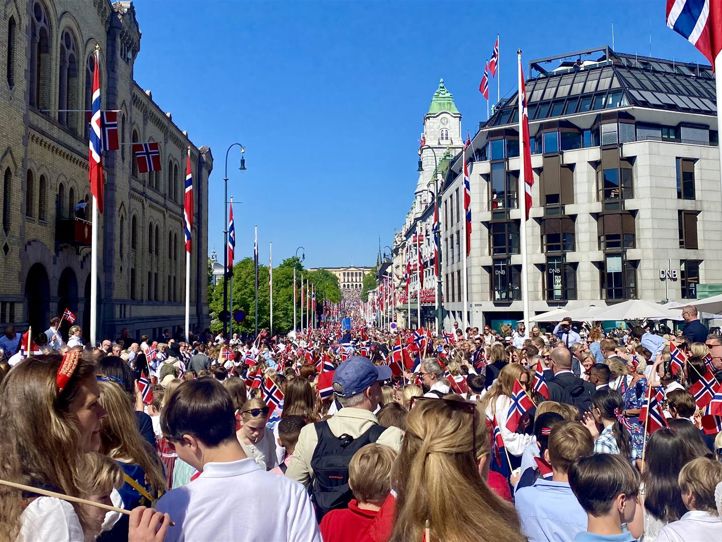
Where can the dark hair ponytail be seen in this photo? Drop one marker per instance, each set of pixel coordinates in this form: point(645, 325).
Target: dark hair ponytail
point(611, 406)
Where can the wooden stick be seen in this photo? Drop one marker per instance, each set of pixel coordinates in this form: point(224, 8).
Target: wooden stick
point(62, 496)
point(646, 421)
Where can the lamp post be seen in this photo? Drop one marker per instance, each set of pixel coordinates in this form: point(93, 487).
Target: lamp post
point(225, 233)
point(437, 233)
point(303, 257)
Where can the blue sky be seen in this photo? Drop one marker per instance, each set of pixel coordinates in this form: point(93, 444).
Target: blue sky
point(329, 96)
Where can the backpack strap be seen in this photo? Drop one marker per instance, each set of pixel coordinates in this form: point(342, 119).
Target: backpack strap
point(437, 393)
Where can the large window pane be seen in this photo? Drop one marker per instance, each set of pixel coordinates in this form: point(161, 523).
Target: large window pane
point(551, 142)
point(505, 281)
point(571, 106)
point(497, 149)
point(685, 179)
point(626, 132)
point(609, 134)
point(571, 140)
point(689, 278)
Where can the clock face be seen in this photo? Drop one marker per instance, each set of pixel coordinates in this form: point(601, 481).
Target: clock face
point(444, 121)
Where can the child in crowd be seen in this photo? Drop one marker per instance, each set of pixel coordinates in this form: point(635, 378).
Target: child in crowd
point(543, 425)
point(255, 438)
point(154, 410)
point(98, 476)
point(288, 430)
point(607, 413)
point(700, 481)
point(680, 404)
point(548, 509)
point(370, 481)
point(606, 486)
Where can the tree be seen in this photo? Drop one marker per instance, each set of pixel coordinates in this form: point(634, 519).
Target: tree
point(369, 283)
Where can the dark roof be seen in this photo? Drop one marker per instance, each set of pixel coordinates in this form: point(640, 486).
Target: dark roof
point(607, 80)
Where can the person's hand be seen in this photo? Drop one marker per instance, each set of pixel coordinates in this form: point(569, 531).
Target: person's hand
point(147, 525)
point(515, 477)
point(590, 424)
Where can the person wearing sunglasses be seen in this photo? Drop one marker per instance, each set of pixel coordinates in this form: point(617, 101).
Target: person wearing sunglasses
point(255, 438)
point(432, 378)
point(714, 345)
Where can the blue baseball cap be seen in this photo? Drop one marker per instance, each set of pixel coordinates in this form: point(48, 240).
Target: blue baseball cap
point(356, 374)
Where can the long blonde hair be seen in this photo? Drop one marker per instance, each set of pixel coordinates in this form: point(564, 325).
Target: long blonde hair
point(503, 385)
point(39, 436)
point(120, 438)
point(437, 479)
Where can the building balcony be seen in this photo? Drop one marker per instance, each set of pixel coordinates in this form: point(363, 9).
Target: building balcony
point(74, 232)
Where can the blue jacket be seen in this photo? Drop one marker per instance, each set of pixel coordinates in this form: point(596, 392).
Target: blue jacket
point(549, 512)
point(695, 332)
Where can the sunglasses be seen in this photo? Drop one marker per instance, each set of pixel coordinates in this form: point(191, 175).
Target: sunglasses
point(256, 411)
point(454, 404)
point(103, 378)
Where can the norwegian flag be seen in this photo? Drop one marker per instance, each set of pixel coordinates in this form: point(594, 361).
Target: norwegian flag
point(450, 338)
point(484, 84)
point(25, 342)
point(146, 390)
point(467, 196)
point(325, 384)
point(419, 339)
point(540, 385)
point(231, 248)
point(69, 316)
point(147, 156)
point(714, 407)
point(520, 404)
point(272, 395)
point(188, 202)
point(497, 441)
point(528, 175)
point(95, 139)
point(677, 359)
point(655, 419)
point(494, 60)
point(704, 389)
point(109, 122)
point(397, 357)
point(458, 384)
point(254, 379)
point(227, 354)
point(700, 22)
point(711, 425)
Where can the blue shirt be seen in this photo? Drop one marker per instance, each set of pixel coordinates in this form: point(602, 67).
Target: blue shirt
point(592, 537)
point(653, 343)
point(548, 510)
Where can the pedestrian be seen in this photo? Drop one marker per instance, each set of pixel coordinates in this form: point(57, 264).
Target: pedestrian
point(432, 378)
point(564, 386)
point(607, 425)
point(10, 341)
point(256, 439)
point(694, 331)
point(75, 334)
point(55, 340)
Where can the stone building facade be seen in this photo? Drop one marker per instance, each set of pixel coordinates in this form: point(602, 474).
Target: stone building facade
point(349, 278)
point(46, 59)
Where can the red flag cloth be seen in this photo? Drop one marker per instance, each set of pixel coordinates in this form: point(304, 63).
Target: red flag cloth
point(700, 22)
point(484, 85)
point(272, 395)
point(146, 390)
point(95, 139)
point(324, 384)
point(188, 203)
point(109, 122)
point(467, 196)
point(494, 60)
point(704, 389)
point(655, 419)
point(540, 385)
point(714, 407)
point(520, 404)
point(146, 156)
point(528, 175)
point(69, 316)
point(677, 359)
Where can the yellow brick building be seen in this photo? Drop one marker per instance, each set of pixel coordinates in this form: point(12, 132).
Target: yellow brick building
point(45, 83)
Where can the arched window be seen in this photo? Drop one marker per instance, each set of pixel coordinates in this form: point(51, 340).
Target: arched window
point(68, 82)
point(150, 238)
point(134, 164)
point(444, 134)
point(60, 202)
point(43, 198)
point(10, 61)
point(121, 238)
point(170, 245)
point(122, 137)
point(169, 190)
point(175, 182)
point(71, 201)
point(89, 67)
point(157, 241)
point(29, 194)
point(133, 234)
point(7, 194)
point(175, 246)
point(39, 57)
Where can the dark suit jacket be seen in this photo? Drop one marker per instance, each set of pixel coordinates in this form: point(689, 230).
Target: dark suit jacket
point(695, 332)
point(561, 385)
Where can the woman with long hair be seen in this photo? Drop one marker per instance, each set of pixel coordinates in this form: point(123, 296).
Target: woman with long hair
point(437, 479)
point(495, 404)
point(50, 417)
point(300, 400)
point(607, 424)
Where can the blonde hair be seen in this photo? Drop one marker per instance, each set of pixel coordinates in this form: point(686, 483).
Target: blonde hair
point(437, 479)
point(569, 442)
point(387, 395)
point(120, 438)
point(698, 349)
point(617, 367)
point(497, 353)
point(251, 404)
point(700, 478)
point(410, 391)
point(369, 472)
point(98, 475)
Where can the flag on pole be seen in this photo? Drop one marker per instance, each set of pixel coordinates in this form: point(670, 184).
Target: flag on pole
point(484, 85)
point(232, 238)
point(272, 395)
point(422, 143)
point(714, 408)
point(520, 404)
point(700, 22)
point(95, 141)
point(69, 316)
point(540, 385)
point(146, 156)
point(677, 359)
point(655, 418)
point(146, 390)
point(494, 60)
point(109, 122)
point(188, 202)
point(467, 196)
point(704, 389)
point(526, 156)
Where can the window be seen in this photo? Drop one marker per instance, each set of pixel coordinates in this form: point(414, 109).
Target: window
point(71, 202)
point(503, 187)
point(176, 180)
point(609, 134)
point(691, 134)
point(571, 140)
point(687, 229)
point(156, 242)
point(170, 246)
point(560, 279)
point(446, 214)
point(133, 233)
point(29, 194)
point(615, 184)
point(444, 134)
point(458, 286)
point(150, 285)
point(155, 286)
point(497, 149)
point(60, 202)
point(39, 58)
point(685, 178)
point(648, 132)
point(503, 238)
point(7, 194)
point(43, 198)
point(451, 253)
point(122, 137)
point(619, 278)
point(68, 78)
point(616, 231)
point(689, 278)
point(626, 132)
point(121, 239)
point(558, 234)
point(10, 59)
point(556, 185)
point(132, 283)
point(458, 214)
point(150, 238)
point(669, 133)
point(505, 281)
point(453, 290)
point(458, 246)
point(551, 142)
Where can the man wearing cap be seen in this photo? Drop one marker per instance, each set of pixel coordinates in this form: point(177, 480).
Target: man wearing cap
point(357, 386)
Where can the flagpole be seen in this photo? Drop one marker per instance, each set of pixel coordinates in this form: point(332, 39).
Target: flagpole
point(521, 191)
point(188, 296)
point(270, 285)
point(465, 248)
point(94, 227)
point(255, 262)
point(294, 298)
point(718, 87)
point(498, 71)
point(302, 300)
point(420, 281)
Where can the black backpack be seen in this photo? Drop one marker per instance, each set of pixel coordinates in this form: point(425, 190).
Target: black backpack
point(577, 394)
point(329, 489)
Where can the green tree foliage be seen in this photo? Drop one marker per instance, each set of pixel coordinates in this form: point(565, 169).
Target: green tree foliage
point(369, 283)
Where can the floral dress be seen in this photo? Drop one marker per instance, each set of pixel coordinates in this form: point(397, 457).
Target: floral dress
point(635, 397)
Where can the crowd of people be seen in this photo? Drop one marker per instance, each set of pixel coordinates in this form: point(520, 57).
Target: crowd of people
point(344, 435)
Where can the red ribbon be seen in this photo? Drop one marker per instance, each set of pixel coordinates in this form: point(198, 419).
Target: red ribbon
point(66, 369)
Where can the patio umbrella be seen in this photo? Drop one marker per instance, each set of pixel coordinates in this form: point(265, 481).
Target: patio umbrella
point(637, 309)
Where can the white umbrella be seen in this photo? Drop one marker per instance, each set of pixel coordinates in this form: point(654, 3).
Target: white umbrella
point(710, 304)
point(551, 316)
point(637, 309)
point(586, 313)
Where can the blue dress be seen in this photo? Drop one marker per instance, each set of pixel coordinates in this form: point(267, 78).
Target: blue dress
point(634, 398)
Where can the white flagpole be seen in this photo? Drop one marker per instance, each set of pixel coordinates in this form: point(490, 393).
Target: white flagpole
point(522, 203)
point(294, 297)
point(718, 85)
point(94, 274)
point(421, 279)
point(270, 285)
point(408, 292)
point(498, 71)
point(302, 300)
point(464, 293)
point(188, 296)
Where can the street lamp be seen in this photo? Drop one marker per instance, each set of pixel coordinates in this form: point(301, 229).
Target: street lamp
point(303, 257)
point(225, 233)
point(437, 232)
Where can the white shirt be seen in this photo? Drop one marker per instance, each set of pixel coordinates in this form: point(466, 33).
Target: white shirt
point(519, 339)
point(262, 452)
point(74, 341)
point(240, 501)
point(55, 341)
point(694, 525)
point(515, 443)
point(440, 386)
point(48, 518)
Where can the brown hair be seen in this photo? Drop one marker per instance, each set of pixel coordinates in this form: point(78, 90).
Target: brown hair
point(700, 478)
point(237, 388)
point(392, 414)
point(569, 442)
point(299, 399)
point(683, 402)
point(598, 479)
point(369, 473)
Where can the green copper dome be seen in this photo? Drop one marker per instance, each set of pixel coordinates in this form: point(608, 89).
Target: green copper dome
point(443, 101)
